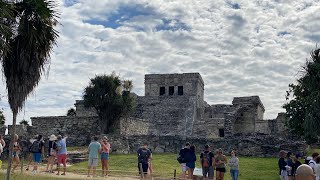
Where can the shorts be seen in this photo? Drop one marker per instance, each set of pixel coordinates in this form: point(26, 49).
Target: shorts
point(104, 156)
point(183, 167)
point(145, 168)
point(208, 172)
point(93, 162)
point(221, 170)
point(36, 157)
point(191, 165)
point(62, 159)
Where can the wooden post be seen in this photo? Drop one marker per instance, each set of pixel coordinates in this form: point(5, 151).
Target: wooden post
point(22, 163)
point(174, 174)
point(141, 170)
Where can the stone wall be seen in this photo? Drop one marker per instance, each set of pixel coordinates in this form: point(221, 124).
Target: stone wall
point(167, 115)
point(254, 145)
point(134, 126)
point(78, 129)
point(3, 129)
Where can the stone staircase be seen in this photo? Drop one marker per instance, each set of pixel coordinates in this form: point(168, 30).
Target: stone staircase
point(77, 156)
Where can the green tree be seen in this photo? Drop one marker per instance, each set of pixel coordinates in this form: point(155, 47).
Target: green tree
point(31, 39)
point(71, 112)
point(105, 94)
point(2, 118)
point(24, 122)
point(303, 98)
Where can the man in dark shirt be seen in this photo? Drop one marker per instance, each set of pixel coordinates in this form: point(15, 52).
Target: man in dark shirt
point(182, 159)
point(207, 162)
point(143, 157)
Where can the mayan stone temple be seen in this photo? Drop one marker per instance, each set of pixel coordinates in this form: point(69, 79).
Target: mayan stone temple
point(174, 111)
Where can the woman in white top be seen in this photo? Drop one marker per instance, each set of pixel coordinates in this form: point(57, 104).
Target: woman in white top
point(317, 168)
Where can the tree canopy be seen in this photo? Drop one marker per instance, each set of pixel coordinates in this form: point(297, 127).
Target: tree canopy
point(303, 98)
point(110, 97)
point(71, 112)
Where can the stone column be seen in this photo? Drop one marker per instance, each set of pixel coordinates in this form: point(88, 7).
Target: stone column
point(229, 119)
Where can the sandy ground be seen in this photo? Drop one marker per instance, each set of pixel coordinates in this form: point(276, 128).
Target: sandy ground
point(69, 175)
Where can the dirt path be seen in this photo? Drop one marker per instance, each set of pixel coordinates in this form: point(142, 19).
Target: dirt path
point(70, 175)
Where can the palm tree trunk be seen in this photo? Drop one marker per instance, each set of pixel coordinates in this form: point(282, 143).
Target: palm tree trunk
point(13, 132)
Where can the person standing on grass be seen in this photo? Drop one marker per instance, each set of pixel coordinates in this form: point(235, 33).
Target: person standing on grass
point(221, 161)
point(296, 164)
point(37, 149)
point(52, 153)
point(143, 156)
point(16, 152)
point(150, 164)
point(94, 148)
point(317, 168)
point(289, 165)
point(282, 165)
point(105, 150)
point(29, 153)
point(207, 163)
point(182, 159)
point(234, 165)
point(62, 154)
point(191, 161)
point(304, 172)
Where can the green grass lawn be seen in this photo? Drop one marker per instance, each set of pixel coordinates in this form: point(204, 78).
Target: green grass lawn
point(164, 165)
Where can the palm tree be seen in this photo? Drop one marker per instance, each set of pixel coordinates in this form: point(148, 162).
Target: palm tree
point(30, 44)
point(6, 15)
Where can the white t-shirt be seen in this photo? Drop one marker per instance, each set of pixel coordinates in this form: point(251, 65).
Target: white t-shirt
point(312, 163)
point(317, 171)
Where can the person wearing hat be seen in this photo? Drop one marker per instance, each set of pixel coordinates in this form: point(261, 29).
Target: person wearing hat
point(304, 172)
point(62, 154)
point(105, 150)
point(52, 153)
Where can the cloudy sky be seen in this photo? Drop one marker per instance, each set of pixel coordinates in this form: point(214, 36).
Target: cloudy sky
point(241, 48)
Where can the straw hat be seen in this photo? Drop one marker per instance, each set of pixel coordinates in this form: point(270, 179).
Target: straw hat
point(52, 138)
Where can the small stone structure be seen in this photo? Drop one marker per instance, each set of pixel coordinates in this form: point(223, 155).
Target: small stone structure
point(172, 112)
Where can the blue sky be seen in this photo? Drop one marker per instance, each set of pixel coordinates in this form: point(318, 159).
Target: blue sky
point(241, 48)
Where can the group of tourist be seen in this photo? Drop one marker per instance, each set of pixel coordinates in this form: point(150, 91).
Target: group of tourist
point(289, 165)
point(210, 162)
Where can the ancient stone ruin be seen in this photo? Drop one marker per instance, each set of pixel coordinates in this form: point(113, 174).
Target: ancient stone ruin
point(172, 112)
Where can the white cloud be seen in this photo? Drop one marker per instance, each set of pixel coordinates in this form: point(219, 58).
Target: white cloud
point(240, 48)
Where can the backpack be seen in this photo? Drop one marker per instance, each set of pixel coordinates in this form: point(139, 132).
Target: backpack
point(181, 156)
point(143, 155)
point(206, 159)
point(35, 147)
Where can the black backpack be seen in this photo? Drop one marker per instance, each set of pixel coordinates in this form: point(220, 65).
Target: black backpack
point(144, 155)
point(35, 147)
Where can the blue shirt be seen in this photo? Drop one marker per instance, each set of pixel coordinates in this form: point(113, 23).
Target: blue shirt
point(94, 148)
point(63, 146)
